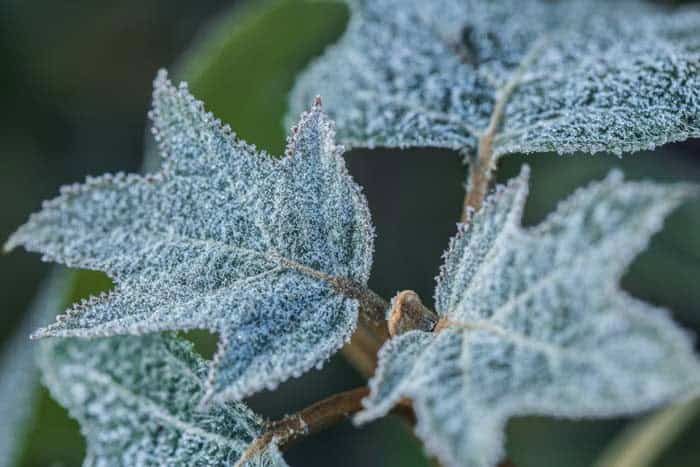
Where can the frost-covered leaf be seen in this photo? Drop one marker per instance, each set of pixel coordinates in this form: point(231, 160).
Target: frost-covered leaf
point(586, 75)
point(137, 401)
point(19, 376)
point(533, 322)
point(223, 238)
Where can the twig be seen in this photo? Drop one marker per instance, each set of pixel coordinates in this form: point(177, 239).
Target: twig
point(320, 416)
point(313, 419)
point(371, 330)
point(372, 306)
point(362, 349)
point(480, 170)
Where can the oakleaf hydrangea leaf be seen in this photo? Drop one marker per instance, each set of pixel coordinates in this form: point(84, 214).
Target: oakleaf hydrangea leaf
point(19, 376)
point(532, 322)
point(223, 238)
point(571, 75)
point(137, 402)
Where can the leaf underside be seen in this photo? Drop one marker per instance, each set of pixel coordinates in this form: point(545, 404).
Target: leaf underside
point(585, 75)
point(537, 325)
point(137, 398)
point(223, 238)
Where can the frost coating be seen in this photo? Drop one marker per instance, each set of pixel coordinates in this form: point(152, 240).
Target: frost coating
point(19, 377)
point(136, 399)
point(604, 76)
point(396, 367)
point(223, 238)
point(534, 323)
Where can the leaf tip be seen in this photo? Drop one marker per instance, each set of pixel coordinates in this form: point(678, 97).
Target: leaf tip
point(161, 78)
point(525, 172)
point(9, 245)
point(40, 333)
point(312, 125)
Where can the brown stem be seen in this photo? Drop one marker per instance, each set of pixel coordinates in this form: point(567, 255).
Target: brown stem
point(320, 416)
point(313, 419)
point(371, 330)
point(479, 175)
point(480, 169)
point(408, 313)
point(362, 349)
point(372, 306)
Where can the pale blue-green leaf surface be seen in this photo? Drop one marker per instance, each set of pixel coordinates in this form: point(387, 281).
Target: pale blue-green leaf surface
point(137, 401)
point(534, 323)
point(223, 238)
point(575, 75)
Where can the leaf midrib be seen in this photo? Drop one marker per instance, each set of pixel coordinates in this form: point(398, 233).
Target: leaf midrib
point(152, 409)
point(105, 325)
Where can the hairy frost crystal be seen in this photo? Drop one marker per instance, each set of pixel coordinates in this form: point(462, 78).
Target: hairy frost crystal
point(136, 399)
point(533, 322)
point(222, 238)
point(574, 75)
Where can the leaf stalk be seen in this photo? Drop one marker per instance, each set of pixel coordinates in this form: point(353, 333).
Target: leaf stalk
point(484, 164)
point(313, 419)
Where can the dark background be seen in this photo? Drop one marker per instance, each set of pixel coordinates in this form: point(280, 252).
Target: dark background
point(75, 89)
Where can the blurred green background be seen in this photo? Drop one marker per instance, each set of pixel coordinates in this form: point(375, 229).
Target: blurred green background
point(75, 87)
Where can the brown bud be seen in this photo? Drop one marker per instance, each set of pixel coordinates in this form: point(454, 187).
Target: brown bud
point(409, 313)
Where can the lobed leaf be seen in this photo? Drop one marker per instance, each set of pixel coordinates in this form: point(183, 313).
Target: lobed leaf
point(533, 322)
point(222, 238)
point(571, 75)
point(137, 402)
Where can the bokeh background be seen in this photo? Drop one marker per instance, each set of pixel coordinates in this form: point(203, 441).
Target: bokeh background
point(74, 91)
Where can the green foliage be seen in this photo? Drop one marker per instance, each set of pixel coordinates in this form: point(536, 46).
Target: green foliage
point(535, 324)
point(18, 386)
point(222, 238)
point(535, 76)
point(137, 402)
point(246, 64)
point(223, 67)
point(641, 444)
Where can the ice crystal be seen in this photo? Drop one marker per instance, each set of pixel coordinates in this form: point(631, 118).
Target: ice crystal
point(223, 238)
point(574, 75)
point(137, 402)
point(533, 322)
